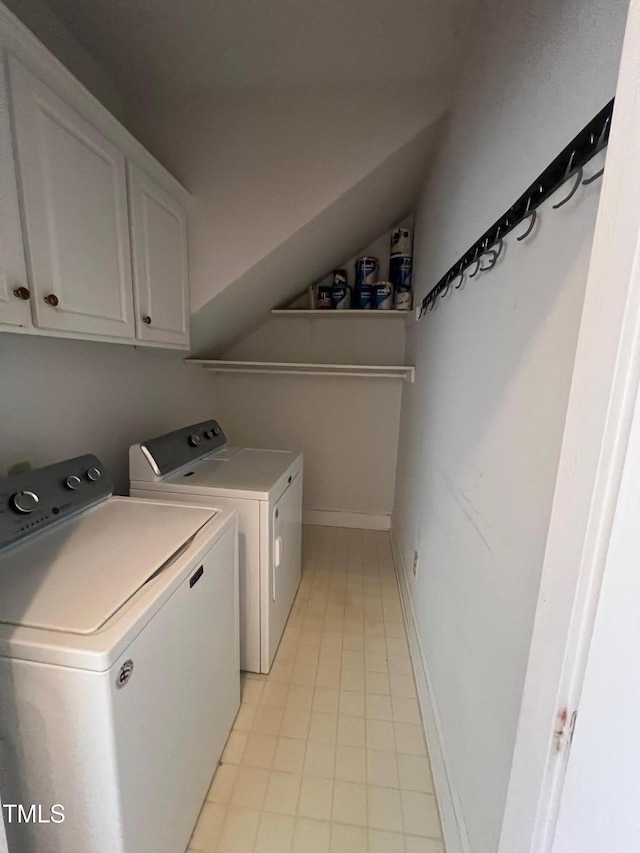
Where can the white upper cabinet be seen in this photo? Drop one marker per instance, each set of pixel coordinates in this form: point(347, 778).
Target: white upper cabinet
point(93, 230)
point(15, 308)
point(74, 195)
point(160, 271)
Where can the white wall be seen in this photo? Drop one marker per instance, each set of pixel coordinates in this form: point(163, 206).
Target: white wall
point(481, 428)
point(346, 427)
point(265, 167)
point(62, 398)
point(37, 16)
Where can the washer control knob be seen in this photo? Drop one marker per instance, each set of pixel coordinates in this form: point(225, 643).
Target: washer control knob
point(194, 440)
point(94, 474)
point(72, 482)
point(208, 433)
point(24, 502)
point(215, 430)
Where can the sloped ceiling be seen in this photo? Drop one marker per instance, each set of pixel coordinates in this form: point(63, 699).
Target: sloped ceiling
point(248, 44)
point(303, 130)
point(367, 209)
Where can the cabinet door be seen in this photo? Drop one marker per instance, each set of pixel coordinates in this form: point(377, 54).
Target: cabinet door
point(15, 308)
point(159, 242)
point(75, 208)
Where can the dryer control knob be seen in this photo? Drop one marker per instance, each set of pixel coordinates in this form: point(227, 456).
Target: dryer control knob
point(24, 502)
point(194, 440)
point(72, 482)
point(94, 474)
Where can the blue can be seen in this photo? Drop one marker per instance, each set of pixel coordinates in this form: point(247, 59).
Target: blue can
point(363, 296)
point(366, 271)
point(400, 271)
point(340, 291)
point(383, 296)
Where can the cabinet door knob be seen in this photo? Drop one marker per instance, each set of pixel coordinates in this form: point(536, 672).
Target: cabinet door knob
point(146, 319)
point(52, 300)
point(22, 293)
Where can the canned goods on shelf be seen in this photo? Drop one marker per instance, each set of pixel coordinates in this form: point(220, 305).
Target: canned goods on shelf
point(383, 295)
point(363, 296)
point(400, 270)
point(366, 270)
point(402, 300)
point(324, 296)
point(400, 242)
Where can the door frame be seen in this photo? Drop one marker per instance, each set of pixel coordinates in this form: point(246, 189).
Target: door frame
point(603, 391)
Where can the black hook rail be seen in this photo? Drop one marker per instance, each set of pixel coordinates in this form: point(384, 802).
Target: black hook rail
point(591, 139)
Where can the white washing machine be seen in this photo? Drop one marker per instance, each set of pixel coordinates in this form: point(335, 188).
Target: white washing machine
point(195, 464)
point(119, 662)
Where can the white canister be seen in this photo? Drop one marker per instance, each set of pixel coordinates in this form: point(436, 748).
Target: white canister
point(400, 242)
point(403, 299)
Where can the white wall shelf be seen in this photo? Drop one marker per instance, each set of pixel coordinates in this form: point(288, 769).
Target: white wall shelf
point(352, 313)
point(370, 371)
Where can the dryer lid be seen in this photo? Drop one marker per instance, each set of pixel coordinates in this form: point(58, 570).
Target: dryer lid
point(75, 577)
point(244, 472)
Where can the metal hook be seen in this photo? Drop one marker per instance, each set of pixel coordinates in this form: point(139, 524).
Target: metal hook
point(533, 216)
point(461, 275)
point(445, 289)
point(574, 190)
point(476, 259)
point(603, 131)
point(532, 221)
point(492, 262)
point(593, 178)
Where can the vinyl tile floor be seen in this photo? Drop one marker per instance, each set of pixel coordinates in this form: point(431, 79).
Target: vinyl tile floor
point(327, 753)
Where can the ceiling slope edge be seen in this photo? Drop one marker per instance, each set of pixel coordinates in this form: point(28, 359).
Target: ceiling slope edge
point(373, 205)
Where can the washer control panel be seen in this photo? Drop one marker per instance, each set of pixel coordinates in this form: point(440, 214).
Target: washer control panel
point(175, 449)
point(33, 500)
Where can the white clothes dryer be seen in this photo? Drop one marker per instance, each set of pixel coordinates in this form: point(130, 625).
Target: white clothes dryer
point(119, 661)
point(196, 465)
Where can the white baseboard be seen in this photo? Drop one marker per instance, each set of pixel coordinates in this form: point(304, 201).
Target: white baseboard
point(453, 825)
point(341, 518)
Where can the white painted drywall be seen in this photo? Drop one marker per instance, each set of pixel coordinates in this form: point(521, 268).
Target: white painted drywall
point(481, 429)
point(286, 183)
point(347, 429)
point(161, 45)
point(36, 15)
point(63, 398)
point(324, 341)
point(339, 231)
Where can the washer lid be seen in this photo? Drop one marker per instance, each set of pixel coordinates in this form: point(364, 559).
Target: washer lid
point(75, 577)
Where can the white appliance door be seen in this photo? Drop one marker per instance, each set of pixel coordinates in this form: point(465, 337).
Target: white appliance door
point(174, 713)
point(286, 564)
